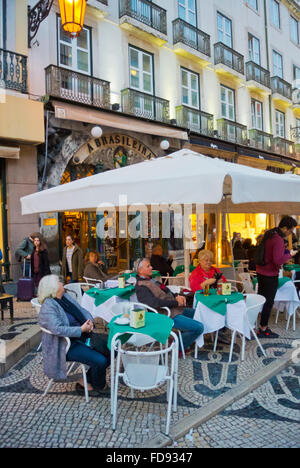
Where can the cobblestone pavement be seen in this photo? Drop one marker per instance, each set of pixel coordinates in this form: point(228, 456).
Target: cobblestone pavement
point(269, 416)
point(24, 317)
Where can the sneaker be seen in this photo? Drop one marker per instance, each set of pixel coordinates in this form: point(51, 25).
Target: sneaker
point(266, 334)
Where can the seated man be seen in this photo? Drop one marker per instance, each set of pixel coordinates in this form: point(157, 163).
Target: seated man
point(156, 295)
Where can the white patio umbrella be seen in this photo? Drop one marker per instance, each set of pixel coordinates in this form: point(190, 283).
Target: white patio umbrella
point(184, 177)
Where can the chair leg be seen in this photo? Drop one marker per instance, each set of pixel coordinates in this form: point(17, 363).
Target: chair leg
point(115, 400)
point(258, 342)
point(86, 392)
point(48, 387)
point(288, 322)
point(216, 341)
point(231, 346)
point(181, 343)
point(196, 350)
point(169, 406)
point(277, 316)
point(243, 347)
point(39, 347)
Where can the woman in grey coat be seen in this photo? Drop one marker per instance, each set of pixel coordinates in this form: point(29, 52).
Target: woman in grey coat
point(64, 317)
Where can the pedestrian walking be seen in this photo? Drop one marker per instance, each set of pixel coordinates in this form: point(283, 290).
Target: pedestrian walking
point(39, 261)
point(271, 254)
point(72, 261)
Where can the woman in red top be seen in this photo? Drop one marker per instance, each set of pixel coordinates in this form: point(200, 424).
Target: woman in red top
point(205, 273)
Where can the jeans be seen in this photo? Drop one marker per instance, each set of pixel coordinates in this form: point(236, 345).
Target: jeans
point(267, 287)
point(96, 376)
point(191, 328)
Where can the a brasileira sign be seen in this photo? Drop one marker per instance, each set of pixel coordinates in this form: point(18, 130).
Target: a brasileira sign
point(115, 140)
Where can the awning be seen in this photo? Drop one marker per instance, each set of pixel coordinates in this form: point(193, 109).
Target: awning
point(9, 152)
point(115, 120)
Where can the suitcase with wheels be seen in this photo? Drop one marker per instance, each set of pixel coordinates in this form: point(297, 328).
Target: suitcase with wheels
point(25, 290)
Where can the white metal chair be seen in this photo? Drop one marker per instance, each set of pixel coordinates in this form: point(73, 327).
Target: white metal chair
point(69, 369)
point(254, 304)
point(246, 280)
point(35, 304)
point(94, 282)
point(75, 290)
point(147, 370)
point(282, 304)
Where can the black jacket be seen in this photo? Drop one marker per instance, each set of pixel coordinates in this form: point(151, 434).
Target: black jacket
point(162, 265)
point(44, 267)
point(146, 296)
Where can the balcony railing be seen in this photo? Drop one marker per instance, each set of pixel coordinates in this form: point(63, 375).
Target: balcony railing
point(229, 57)
point(278, 85)
point(146, 12)
point(296, 97)
point(284, 147)
point(105, 2)
point(196, 120)
point(13, 71)
point(145, 105)
point(232, 131)
point(295, 135)
point(191, 36)
point(256, 73)
point(261, 140)
point(77, 87)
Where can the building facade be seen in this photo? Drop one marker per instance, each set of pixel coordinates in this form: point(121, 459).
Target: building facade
point(21, 131)
point(219, 77)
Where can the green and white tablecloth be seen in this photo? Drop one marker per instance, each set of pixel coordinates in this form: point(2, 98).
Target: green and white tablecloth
point(216, 312)
point(157, 326)
point(291, 267)
point(180, 269)
point(155, 274)
point(103, 295)
point(216, 302)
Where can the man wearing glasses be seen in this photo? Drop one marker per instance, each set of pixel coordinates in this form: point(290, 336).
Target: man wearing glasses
point(156, 295)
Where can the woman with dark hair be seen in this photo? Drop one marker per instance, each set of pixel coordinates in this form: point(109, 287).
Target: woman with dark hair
point(72, 261)
point(94, 268)
point(39, 260)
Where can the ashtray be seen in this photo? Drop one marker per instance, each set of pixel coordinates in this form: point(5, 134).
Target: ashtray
point(122, 321)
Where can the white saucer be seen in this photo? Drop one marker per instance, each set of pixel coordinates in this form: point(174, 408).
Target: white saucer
point(122, 321)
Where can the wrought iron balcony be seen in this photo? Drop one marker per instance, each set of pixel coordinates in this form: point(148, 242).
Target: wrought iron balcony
point(196, 120)
point(279, 86)
point(145, 105)
point(232, 131)
point(295, 134)
point(105, 2)
point(229, 57)
point(257, 73)
point(284, 147)
point(261, 140)
point(13, 71)
point(191, 36)
point(77, 87)
point(146, 12)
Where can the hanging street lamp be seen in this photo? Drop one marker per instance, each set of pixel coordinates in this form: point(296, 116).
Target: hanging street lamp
point(72, 14)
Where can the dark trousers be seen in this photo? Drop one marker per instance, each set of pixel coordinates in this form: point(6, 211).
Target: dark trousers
point(97, 362)
point(267, 287)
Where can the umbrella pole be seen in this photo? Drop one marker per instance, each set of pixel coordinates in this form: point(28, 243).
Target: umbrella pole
point(229, 233)
point(186, 264)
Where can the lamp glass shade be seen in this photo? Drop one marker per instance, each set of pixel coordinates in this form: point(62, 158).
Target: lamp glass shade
point(72, 14)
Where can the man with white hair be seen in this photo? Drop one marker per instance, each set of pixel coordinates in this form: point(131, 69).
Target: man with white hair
point(156, 295)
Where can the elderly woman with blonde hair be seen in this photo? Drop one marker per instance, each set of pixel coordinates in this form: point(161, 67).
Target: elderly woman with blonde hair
point(61, 315)
point(205, 273)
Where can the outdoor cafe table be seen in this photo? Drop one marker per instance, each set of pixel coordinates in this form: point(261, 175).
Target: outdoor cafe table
point(286, 295)
point(99, 302)
point(157, 326)
point(216, 311)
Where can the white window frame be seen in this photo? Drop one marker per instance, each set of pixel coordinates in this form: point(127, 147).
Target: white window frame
point(277, 70)
point(296, 79)
point(297, 123)
point(190, 74)
point(185, 5)
point(222, 33)
point(257, 116)
point(295, 23)
point(75, 48)
point(252, 40)
point(253, 4)
point(280, 124)
point(275, 13)
point(141, 71)
point(227, 103)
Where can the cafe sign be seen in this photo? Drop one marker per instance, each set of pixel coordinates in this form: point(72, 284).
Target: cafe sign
point(121, 145)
